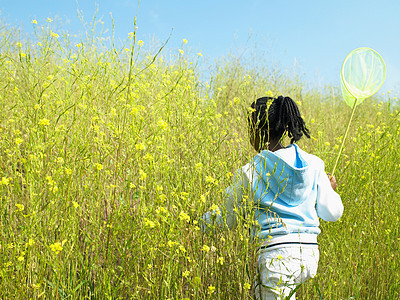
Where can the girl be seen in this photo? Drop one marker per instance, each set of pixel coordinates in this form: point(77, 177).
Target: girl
point(288, 190)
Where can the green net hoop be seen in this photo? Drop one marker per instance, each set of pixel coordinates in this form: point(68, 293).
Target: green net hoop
point(363, 73)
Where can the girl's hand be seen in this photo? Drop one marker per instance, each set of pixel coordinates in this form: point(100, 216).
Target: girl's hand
point(332, 179)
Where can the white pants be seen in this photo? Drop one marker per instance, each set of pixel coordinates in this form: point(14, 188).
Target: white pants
point(281, 270)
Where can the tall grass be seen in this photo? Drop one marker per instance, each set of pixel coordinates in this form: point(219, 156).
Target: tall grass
point(110, 156)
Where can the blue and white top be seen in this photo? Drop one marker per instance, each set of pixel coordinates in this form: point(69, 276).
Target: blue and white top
point(287, 191)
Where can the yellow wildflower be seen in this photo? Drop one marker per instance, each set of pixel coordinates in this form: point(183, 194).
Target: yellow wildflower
point(148, 157)
point(140, 146)
point(205, 248)
point(20, 207)
point(215, 210)
point(250, 110)
point(246, 286)
point(198, 167)
point(54, 35)
point(269, 93)
point(211, 289)
point(212, 180)
point(203, 198)
point(5, 181)
point(186, 274)
point(149, 223)
point(162, 124)
point(184, 217)
point(142, 175)
point(34, 22)
point(44, 122)
point(57, 247)
point(171, 243)
point(36, 286)
point(161, 210)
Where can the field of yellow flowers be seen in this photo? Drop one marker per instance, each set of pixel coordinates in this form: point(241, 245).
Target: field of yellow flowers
point(110, 156)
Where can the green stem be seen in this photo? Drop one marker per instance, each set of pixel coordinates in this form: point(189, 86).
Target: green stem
point(344, 138)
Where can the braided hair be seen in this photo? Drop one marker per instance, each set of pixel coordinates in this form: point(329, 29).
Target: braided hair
point(283, 115)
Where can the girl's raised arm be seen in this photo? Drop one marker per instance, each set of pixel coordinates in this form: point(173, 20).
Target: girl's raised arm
point(329, 204)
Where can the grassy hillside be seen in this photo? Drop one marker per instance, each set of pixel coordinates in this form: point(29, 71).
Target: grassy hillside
point(110, 156)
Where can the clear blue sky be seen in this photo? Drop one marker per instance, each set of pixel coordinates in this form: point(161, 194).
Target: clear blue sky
point(316, 34)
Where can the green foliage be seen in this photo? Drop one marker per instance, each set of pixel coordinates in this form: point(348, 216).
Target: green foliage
point(109, 157)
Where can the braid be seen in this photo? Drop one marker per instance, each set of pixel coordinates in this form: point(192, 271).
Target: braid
point(283, 115)
point(258, 115)
point(287, 117)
